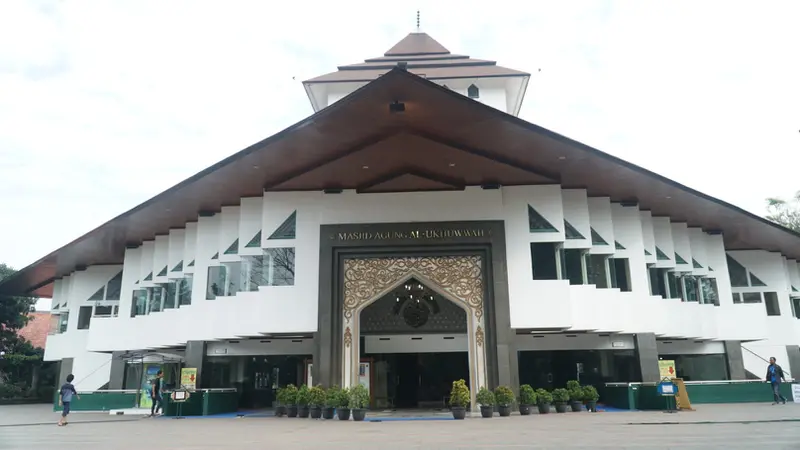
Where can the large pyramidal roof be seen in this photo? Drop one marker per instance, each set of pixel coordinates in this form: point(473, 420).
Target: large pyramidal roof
point(425, 57)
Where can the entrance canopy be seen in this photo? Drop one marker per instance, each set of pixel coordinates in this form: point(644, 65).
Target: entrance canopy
point(441, 141)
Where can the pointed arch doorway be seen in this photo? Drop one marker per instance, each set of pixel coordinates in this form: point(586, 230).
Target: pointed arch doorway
point(458, 279)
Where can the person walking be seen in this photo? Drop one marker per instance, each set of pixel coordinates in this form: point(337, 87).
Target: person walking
point(774, 377)
point(65, 398)
point(155, 393)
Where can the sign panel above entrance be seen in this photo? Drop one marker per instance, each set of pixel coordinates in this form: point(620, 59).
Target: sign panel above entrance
point(413, 232)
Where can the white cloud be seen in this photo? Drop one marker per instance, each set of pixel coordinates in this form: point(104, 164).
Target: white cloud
point(103, 104)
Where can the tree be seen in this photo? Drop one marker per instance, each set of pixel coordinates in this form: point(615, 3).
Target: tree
point(13, 315)
point(786, 213)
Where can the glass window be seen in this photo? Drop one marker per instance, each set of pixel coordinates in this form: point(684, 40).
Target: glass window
point(537, 223)
point(708, 287)
point(84, 317)
point(155, 303)
point(234, 280)
point(690, 287)
point(771, 303)
point(473, 91)
point(751, 297)
point(572, 266)
point(104, 311)
point(597, 270)
point(63, 321)
point(114, 287)
point(281, 266)
point(139, 303)
point(185, 291)
point(737, 297)
point(215, 285)
point(622, 274)
point(737, 273)
point(796, 307)
point(673, 283)
point(55, 323)
point(99, 295)
point(543, 258)
point(170, 292)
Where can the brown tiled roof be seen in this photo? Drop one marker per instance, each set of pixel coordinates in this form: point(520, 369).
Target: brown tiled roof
point(37, 328)
point(425, 57)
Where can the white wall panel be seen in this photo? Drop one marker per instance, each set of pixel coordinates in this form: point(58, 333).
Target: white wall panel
point(601, 222)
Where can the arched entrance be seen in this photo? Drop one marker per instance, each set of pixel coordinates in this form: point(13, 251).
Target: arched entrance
point(458, 279)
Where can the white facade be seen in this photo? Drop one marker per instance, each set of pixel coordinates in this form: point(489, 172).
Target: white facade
point(535, 304)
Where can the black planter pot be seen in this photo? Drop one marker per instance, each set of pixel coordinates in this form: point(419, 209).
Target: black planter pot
point(327, 412)
point(459, 412)
point(525, 410)
point(487, 412)
point(576, 406)
point(591, 406)
point(343, 413)
point(504, 410)
point(561, 407)
point(544, 408)
point(316, 412)
point(291, 411)
point(280, 411)
point(359, 414)
point(302, 412)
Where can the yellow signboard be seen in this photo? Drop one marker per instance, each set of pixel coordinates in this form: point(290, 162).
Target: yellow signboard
point(666, 368)
point(189, 378)
point(682, 399)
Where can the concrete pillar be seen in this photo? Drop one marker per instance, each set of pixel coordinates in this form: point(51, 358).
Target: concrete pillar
point(733, 352)
point(116, 377)
point(194, 358)
point(647, 353)
point(793, 364)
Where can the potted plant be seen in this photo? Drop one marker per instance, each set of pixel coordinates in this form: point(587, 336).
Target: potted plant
point(575, 395)
point(290, 399)
point(561, 398)
point(504, 397)
point(280, 408)
point(331, 402)
point(543, 401)
point(343, 404)
point(459, 399)
point(590, 396)
point(303, 399)
point(316, 398)
point(527, 398)
point(359, 401)
point(485, 398)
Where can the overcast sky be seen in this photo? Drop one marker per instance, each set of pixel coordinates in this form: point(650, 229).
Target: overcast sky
point(104, 104)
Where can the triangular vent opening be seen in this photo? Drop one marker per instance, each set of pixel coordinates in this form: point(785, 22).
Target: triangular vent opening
point(287, 230)
point(661, 256)
point(596, 238)
point(255, 242)
point(570, 232)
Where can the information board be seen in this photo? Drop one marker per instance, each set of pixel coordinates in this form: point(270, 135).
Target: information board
point(666, 368)
point(189, 378)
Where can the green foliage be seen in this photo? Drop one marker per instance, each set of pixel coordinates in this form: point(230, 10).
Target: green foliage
point(316, 396)
point(485, 397)
point(289, 395)
point(343, 398)
point(590, 394)
point(786, 213)
point(359, 397)
point(504, 396)
point(527, 396)
point(543, 397)
point(459, 394)
point(560, 395)
point(332, 396)
point(575, 391)
point(13, 316)
point(303, 396)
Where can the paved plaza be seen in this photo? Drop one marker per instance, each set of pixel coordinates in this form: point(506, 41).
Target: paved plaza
point(711, 426)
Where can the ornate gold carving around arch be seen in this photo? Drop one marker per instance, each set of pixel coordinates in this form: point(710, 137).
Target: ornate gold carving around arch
point(348, 337)
point(479, 336)
point(459, 276)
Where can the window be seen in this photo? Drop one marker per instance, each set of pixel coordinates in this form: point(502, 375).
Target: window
point(110, 291)
point(621, 276)
point(674, 285)
point(572, 266)
point(737, 298)
point(139, 303)
point(63, 321)
point(106, 310)
point(690, 288)
point(597, 270)
point(771, 303)
point(795, 307)
point(155, 299)
point(281, 266)
point(287, 230)
point(473, 91)
point(170, 291)
point(658, 282)
point(543, 258)
point(709, 291)
point(751, 297)
point(215, 285)
point(184, 289)
point(84, 317)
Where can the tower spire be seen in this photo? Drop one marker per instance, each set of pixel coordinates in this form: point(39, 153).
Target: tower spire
point(417, 21)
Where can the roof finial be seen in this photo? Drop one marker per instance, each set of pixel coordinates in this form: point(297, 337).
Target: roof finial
point(417, 21)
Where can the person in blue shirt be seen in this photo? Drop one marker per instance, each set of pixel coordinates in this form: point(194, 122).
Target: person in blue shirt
point(774, 377)
point(65, 398)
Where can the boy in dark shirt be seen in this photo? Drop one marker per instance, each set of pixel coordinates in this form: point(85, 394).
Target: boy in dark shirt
point(65, 398)
point(155, 393)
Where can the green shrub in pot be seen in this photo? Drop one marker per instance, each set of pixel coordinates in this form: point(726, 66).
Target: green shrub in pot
point(575, 395)
point(485, 399)
point(303, 400)
point(504, 398)
point(459, 399)
point(359, 402)
point(561, 398)
point(527, 398)
point(543, 401)
point(290, 399)
point(331, 401)
point(590, 396)
point(343, 404)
